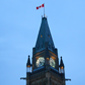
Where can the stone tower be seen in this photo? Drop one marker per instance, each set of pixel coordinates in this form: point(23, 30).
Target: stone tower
point(45, 68)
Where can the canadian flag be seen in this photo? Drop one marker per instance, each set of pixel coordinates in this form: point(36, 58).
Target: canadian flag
point(40, 6)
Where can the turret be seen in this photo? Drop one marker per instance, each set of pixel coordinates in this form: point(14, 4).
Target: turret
point(29, 65)
point(61, 70)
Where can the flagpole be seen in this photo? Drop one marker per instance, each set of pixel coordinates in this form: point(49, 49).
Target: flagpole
point(44, 9)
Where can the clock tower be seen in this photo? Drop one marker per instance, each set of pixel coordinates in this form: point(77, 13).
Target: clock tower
point(45, 68)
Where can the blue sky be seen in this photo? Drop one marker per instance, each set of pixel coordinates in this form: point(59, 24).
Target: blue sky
point(19, 26)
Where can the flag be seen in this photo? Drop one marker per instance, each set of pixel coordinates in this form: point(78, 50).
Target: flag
point(40, 6)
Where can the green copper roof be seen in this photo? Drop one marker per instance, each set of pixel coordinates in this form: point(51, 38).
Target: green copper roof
point(44, 39)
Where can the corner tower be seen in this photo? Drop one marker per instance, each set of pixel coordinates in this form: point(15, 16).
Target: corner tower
point(45, 65)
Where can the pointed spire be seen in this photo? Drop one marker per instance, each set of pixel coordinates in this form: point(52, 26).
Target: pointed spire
point(28, 62)
point(61, 70)
point(29, 65)
point(61, 62)
point(44, 39)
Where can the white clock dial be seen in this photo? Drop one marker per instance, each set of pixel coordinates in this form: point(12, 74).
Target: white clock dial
point(40, 62)
point(52, 62)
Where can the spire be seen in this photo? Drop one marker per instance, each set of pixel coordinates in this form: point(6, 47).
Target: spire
point(61, 70)
point(28, 62)
point(29, 65)
point(44, 39)
point(61, 63)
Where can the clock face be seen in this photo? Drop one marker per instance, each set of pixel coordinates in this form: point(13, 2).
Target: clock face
point(52, 62)
point(40, 62)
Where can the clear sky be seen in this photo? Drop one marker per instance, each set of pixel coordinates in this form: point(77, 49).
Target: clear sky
point(19, 26)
